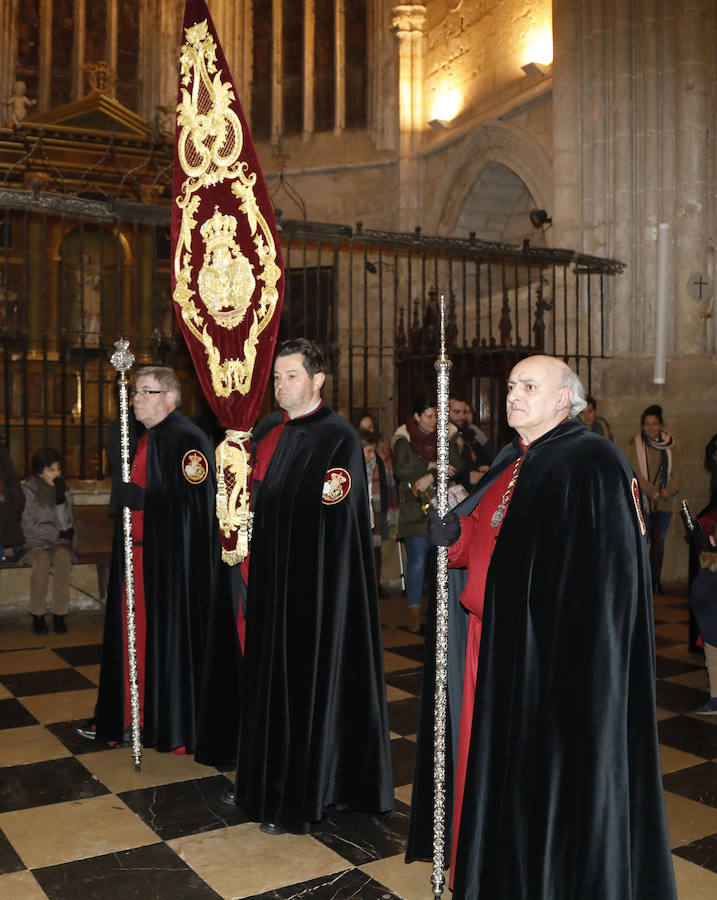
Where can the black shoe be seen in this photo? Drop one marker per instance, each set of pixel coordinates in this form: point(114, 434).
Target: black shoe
point(59, 624)
point(39, 625)
point(86, 731)
point(271, 828)
point(229, 797)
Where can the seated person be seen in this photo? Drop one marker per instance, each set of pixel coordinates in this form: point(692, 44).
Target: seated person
point(48, 526)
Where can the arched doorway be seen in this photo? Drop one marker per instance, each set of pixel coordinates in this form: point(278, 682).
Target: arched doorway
point(497, 208)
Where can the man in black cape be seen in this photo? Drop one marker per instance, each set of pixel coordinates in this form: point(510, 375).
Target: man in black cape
point(177, 569)
point(313, 720)
point(562, 794)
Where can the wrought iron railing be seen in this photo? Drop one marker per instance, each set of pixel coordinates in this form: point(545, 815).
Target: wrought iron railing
point(76, 272)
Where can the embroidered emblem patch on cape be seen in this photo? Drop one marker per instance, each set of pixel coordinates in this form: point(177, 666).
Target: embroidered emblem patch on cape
point(194, 466)
point(336, 486)
point(638, 506)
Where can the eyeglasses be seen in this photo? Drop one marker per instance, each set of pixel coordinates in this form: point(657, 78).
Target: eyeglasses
point(146, 392)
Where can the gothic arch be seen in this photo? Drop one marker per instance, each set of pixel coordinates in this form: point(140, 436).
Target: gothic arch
point(510, 146)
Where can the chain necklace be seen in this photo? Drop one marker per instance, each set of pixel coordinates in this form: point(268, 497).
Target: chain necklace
point(499, 514)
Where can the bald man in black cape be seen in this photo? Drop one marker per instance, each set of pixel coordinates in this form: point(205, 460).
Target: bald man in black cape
point(561, 786)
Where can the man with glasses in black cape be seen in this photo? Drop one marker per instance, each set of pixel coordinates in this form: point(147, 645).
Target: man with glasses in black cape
point(177, 569)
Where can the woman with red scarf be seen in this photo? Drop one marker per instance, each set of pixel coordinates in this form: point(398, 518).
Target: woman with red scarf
point(415, 452)
point(657, 463)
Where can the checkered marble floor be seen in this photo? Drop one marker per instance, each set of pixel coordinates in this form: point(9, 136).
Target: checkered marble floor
point(76, 821)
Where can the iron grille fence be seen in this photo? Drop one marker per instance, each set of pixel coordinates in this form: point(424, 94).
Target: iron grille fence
point(76, 272)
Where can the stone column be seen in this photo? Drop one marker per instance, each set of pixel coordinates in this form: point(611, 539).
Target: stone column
point(309, 55)
point(8, 60)
point(245, 68)
point(620, 148)
point(45, 56)
point(693, 25)
point(168, 39)
point(160, 37)
point(78, 51)
point(382, 83)
point(408, 24)
point(654, 165)
point(277, 90)
point(233, 22)
point(147, 63)
point(111, 40)
point(567, 112)
point(339, 66)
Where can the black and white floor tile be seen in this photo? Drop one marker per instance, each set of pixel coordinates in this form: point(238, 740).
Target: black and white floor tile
point(76, 820)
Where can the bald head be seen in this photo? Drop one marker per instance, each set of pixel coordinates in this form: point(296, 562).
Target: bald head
point(542, 391)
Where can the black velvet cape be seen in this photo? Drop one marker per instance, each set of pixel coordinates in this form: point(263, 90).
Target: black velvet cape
point(563, 797)
point(182, 571)
point(313, 724)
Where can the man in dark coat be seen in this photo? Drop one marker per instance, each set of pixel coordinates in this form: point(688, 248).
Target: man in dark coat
point(471, 444)
point(557, 758)
point(313, 722)
point(177, 568)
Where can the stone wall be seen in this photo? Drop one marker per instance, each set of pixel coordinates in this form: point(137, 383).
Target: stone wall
point(624, 388)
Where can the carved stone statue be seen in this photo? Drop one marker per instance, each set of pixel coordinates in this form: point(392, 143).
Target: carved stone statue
point(19, 102)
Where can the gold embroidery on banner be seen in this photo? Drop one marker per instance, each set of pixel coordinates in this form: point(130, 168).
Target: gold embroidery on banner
point(226, 282)
point(233, 470)
point(208, 148)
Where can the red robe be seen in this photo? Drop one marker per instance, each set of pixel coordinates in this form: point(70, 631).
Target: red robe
point(473, 550)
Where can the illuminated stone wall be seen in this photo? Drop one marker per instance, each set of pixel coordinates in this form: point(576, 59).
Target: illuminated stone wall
point(475, 51)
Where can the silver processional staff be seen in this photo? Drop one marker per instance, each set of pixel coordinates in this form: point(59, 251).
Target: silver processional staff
point(123, 360)
point(442, 366)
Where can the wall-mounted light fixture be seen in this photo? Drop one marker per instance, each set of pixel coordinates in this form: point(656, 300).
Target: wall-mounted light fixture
point(533, 69)
point(445, 104)
point(539, 217)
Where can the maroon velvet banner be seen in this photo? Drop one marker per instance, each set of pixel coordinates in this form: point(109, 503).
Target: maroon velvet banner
point(227, 274)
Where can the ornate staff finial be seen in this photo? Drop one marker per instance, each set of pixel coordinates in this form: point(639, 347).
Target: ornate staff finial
point(442, 356)
point(123, 358)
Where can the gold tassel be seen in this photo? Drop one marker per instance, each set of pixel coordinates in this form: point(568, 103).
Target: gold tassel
point(234, 459)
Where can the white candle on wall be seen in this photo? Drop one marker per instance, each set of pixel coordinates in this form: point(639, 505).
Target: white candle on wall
point(663, 287)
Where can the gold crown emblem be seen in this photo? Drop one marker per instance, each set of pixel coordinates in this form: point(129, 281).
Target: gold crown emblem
point(219, 231)
point(101, 77)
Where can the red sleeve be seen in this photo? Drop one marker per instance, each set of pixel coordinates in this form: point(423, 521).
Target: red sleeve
point(458, 552)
